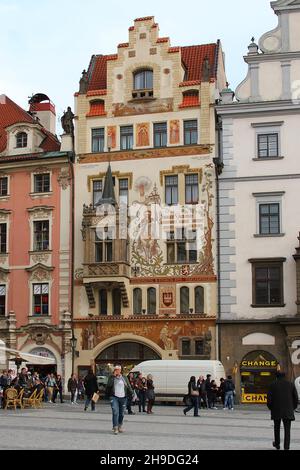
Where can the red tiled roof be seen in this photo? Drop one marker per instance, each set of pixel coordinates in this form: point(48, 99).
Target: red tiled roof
point(190, 100)
point(97, 93)
point(192, 58)
point(97, 109)
point(190, 83)
point(11, 113)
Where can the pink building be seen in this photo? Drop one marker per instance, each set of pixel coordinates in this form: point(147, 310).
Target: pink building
point(35, 234)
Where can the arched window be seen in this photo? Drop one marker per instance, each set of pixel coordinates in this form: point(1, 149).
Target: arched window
point(151, 301)
point(184, 300)
point(116, 294)
point(143, 79)
point(199, 300)
point(137, 301)
point(21, 140)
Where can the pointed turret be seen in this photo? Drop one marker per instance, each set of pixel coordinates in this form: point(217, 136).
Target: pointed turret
point(108, 195)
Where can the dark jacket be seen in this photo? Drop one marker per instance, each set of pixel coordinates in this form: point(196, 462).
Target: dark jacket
point(282, 400)
point(229, 386)
point(192, 386)
point(72, 385)
point(90, 384)
point(109, 392)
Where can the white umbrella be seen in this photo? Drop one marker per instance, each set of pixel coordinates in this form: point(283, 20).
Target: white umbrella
point(31, 358)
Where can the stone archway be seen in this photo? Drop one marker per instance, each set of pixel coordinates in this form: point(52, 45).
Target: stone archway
point(123, 338)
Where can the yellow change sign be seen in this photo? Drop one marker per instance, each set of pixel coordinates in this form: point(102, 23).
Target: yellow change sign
point(254, 398)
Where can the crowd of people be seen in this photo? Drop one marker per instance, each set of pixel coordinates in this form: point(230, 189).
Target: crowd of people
point(205, 393)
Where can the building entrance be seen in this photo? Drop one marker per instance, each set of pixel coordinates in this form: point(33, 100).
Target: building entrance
point(258, 371)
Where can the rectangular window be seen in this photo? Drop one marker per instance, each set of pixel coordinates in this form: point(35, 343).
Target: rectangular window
point(171, 190)
point(192, 189)
point(268, 285)
point(191, 132)
point(2, 301)
point(98, 141)
point(42, 183)
point(41, 236)
point(103, 250)
point(269, 219)
point(41, 299)
point(186, 347)
point(126, 133)
point(3, 238)
point(123, 191)
point(160, 135)
point(181, 250)
point(97, 191)
point(268, 145)
point(3, 186)
point(199, 347)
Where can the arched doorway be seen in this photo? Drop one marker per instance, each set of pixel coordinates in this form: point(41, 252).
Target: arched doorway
point(128, 354)
point(258, 371)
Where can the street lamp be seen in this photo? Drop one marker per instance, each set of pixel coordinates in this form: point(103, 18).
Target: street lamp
point(73, 346)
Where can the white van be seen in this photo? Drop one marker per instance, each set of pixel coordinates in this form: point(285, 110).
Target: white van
point(171, 377)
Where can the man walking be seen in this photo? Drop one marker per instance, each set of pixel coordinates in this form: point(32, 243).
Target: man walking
point(229, 389)
point(282, 402)
point(91, 387)
point(118, 389)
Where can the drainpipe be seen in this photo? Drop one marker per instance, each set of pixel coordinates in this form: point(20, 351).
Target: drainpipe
point(71, 163)
point(218, 169)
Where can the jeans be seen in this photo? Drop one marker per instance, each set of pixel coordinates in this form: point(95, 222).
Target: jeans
point(195, 405)
point(58, 391)
point(142, 400)
point(88, 401)
point(74, 394)
point(287, 432)
point(118, 409)
point(229, 400)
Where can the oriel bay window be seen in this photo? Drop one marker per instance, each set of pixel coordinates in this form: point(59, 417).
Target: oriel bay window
point(268, 283)
point(41, 235)
point(2, 300)
point(41, 299)
point(103, 249)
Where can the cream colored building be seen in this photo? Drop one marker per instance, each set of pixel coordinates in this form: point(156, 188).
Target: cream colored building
point(259, 209)
point(145, 137)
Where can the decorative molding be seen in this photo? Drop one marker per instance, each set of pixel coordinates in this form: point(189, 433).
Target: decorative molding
point(40, 273)
point(40, 212)
point(64, 178)
point(181, 169)
point(40, 257)
point(168, 152)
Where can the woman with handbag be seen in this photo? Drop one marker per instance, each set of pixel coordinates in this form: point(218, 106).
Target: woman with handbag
point(193, 394)
point(91, 388)
point(150, 394)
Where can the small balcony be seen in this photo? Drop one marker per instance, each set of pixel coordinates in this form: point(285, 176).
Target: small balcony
point(105, 271)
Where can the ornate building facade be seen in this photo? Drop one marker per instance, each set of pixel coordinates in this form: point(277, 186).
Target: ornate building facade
point(35, 234)
point(145, 145)
point(259, 279)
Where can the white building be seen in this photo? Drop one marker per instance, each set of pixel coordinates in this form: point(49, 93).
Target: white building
point(259, 213)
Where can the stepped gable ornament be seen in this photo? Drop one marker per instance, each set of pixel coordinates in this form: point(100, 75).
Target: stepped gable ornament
point(67, 122)
point(84, 83)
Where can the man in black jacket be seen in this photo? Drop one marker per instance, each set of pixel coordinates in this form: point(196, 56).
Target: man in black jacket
point(282, 402)
point(91, 387)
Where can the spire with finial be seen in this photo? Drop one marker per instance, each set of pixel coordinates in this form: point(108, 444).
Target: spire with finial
point(253, 47)
point(108, 195)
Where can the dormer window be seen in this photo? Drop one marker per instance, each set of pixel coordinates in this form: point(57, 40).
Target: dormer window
point(21, 140)
point(143, 84)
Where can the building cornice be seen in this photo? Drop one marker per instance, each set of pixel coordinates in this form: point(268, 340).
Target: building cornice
point(259, 108)
point(274, 57)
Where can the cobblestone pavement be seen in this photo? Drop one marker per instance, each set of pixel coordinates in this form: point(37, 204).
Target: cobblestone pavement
point(66, 426)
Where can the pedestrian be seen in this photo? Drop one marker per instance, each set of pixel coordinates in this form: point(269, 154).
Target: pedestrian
point(58, 389)
point(229, 389)
point(132, 382)
point(50, 384)
point(222, 391)
point(141, 391)
point(81, 388)
point(150, 394)
point(193, 396)
point(23, 378)
point(282, 402)
point(91, 387)
point(118, 389)
point(214, 394)
point(208, 391)
point(73, 388)
point(202, 392)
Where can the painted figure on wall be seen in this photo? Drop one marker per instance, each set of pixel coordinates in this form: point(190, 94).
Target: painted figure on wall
point(142, 137)
point(112, 137)
point(175, 132)
point(166, 336)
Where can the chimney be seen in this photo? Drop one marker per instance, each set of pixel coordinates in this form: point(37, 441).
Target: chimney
point(297, 259)
point(42, 108)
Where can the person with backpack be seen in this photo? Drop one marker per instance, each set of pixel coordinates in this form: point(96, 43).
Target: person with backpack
point(229, 389)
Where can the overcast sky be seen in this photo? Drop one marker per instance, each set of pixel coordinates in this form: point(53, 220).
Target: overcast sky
point(45, 44)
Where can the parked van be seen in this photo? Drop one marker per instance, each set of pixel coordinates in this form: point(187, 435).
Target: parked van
point(171, 377)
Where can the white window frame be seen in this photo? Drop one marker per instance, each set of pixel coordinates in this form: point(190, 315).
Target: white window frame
point(31, 284)
point(269, 198)
point(37, 173)
point(266, 128)
point(3, 198)
point(5, 284)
